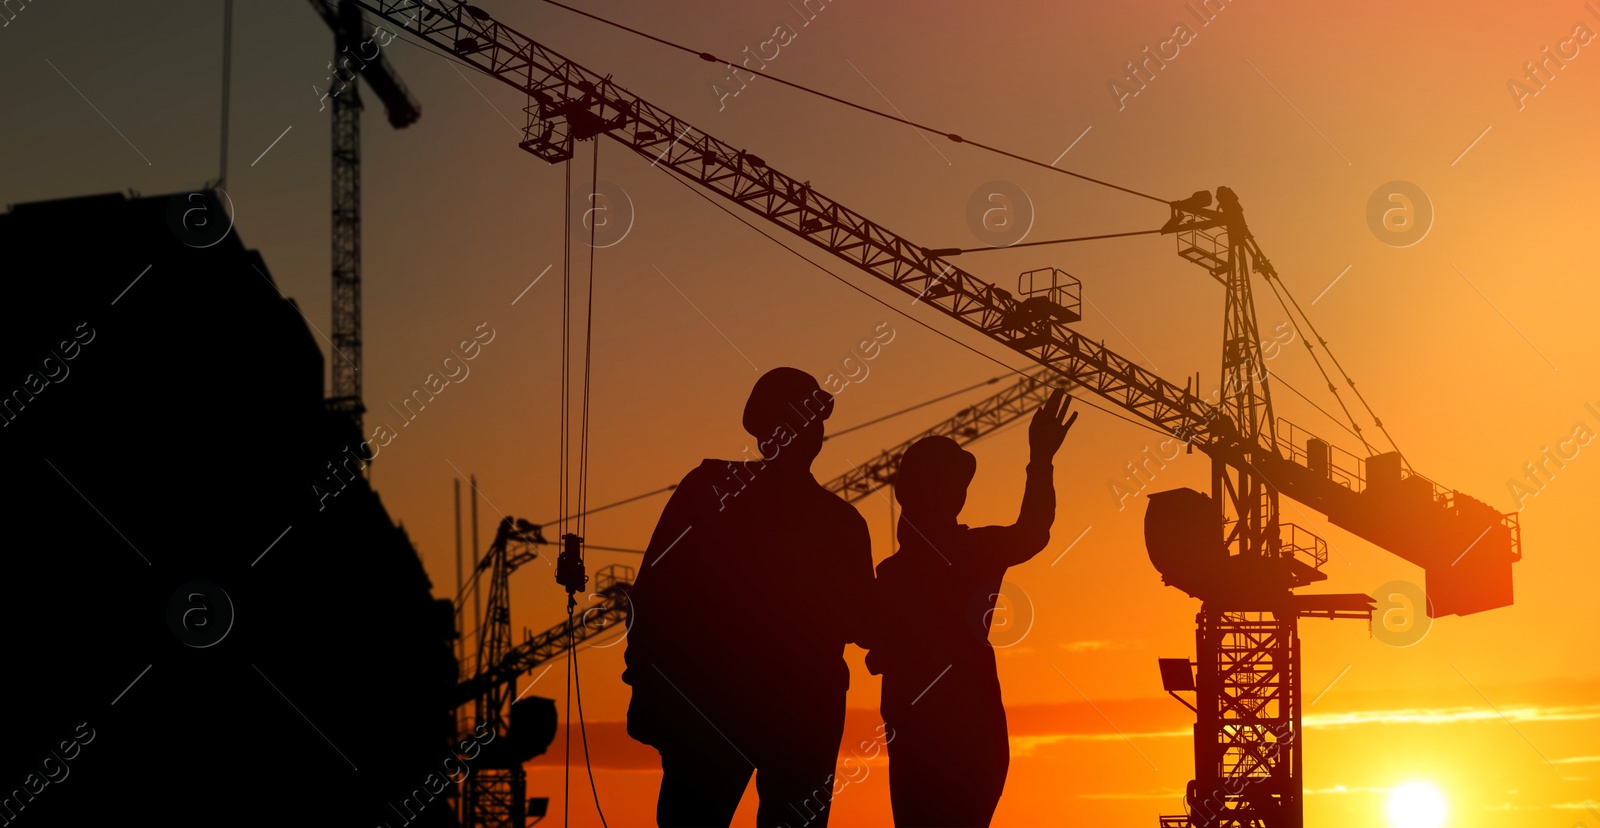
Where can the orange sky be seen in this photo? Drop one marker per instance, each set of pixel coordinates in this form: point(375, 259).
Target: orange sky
point(1476, 344)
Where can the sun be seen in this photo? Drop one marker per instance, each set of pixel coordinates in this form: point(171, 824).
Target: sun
point(1416, 805)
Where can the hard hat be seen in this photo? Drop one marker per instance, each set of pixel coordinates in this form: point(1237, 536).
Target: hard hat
point(785, 396)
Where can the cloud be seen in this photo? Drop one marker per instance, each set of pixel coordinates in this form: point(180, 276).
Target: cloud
point(1453, 715)
point(1088, 646)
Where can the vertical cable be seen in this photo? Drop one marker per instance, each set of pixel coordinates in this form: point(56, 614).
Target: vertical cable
point(566, 361)
point(477, 593)
point(588, 349)
point(227, 74)
point(583, 470)
point(566, 341)
point(460, 638)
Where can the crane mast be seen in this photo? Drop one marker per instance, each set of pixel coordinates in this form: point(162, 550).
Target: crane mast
point(344, 18)
point(1229, 549)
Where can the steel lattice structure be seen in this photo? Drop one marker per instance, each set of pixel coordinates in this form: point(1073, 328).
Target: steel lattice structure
point(610, 612)
point(494, 795)
point(344, 18)
point(346, 360)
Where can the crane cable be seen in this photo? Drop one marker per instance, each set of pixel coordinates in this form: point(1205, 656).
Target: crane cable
point(1271, 276)
point(575, 686)
point(1278, 378)
point(1321, 370)
point(909, 409)
point(623, 502)
point(227, 76)
point(562, 464)
point(707, 56)
point(959, 250)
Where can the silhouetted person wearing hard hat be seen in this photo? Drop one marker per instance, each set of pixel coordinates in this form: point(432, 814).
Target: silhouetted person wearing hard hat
point(934, 598)
point(755, 579)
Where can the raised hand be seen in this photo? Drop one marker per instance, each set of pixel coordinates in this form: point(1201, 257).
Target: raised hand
point(1050, 426)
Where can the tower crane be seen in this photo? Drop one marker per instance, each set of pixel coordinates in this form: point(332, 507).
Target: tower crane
point(1229, 548)
point(344, 18)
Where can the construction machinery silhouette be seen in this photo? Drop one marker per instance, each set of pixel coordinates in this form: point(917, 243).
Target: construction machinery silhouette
point(1228, 548)
point(344, 18)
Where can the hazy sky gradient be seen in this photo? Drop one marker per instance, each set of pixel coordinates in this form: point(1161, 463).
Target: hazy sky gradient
point(1476, 345)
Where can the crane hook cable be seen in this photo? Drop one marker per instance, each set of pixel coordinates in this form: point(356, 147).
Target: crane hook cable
point(563, 492)
point(583, 495)
point(707, 56)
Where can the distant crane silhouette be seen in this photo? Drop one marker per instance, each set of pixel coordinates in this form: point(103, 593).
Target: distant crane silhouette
point(344, 18)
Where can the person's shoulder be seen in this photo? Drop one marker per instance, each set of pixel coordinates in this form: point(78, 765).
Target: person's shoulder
point(703, 482)
point(837, 507)
point(710, 470)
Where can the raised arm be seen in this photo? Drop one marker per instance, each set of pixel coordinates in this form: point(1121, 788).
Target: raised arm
point(1019, 542)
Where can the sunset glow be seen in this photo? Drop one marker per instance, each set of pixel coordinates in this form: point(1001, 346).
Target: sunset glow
point(1417, 805)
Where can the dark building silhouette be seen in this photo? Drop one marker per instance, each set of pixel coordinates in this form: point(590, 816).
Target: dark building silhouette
point(163, 425)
